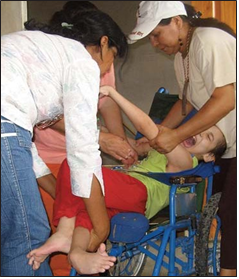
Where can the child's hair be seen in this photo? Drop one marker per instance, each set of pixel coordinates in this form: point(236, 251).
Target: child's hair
point(220, 149)
point(88, 28)
point(194, 20)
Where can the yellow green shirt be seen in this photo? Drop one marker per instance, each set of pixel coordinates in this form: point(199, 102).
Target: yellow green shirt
point(158, 192)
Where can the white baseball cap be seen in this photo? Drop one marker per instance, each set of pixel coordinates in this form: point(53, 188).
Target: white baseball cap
point(149, 15)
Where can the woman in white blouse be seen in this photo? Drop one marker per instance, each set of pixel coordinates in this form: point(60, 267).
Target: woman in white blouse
point(48, 71)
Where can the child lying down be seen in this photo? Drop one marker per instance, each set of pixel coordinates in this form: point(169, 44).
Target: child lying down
point(124, 192)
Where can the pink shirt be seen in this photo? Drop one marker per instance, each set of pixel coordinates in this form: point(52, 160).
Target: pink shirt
point(51, 145)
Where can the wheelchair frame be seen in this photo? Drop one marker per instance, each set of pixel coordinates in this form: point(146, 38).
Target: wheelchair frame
point(167, 234)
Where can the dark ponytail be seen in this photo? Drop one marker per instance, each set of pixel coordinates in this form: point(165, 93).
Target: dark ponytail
point(88, 28)
point(70, 10)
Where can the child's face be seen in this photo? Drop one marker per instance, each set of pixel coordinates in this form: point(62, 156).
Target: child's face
point(205, 142)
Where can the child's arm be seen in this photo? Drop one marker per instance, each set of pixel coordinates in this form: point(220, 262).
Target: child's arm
point(48, 184)
point(142, 122)
point(179, 159)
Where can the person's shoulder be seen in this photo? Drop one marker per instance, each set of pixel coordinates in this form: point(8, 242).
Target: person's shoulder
point(24, 34)
point(209, 38)
point(211, 33)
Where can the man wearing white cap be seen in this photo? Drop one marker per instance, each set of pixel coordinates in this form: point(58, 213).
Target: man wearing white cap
point(205, 67)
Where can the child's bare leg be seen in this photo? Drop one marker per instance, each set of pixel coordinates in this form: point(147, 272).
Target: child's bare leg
point(60, 241)
point(85, 262)
point(95, 206)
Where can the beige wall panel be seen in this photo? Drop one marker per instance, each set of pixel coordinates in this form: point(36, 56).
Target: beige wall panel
point(13, 14)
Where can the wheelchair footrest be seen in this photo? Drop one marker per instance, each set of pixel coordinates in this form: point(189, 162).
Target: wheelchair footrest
point(128, 227)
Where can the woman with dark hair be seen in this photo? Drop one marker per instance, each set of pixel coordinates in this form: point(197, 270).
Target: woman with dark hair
point(48, 71)
point(205, 67)
point(51, 142)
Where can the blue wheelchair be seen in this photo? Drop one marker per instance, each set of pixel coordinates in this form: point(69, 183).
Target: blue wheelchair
point(133, 238)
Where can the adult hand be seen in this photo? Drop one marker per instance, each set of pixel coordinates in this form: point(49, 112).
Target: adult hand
point(118, 148)
point(132, 159)
point(166, 140)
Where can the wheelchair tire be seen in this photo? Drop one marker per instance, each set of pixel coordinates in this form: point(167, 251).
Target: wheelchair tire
point(128, 265)
point(202, 244)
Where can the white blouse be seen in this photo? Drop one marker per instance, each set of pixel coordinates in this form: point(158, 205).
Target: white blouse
point(46, 75)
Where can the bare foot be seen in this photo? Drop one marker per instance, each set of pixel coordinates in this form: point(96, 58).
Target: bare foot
point(102, 250)
point(92, 263)
point(58, 242)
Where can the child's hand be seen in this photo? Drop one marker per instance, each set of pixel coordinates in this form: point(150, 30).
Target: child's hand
point(143, 140)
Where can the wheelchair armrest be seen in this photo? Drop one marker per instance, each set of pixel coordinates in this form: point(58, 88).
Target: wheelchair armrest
point(185, 179)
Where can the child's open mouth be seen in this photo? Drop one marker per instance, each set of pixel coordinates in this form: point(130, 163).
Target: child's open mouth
point(189, 142)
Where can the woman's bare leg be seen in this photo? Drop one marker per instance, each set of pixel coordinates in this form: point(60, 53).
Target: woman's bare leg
point(85, 262)
point(60, 241)
point(95, 206)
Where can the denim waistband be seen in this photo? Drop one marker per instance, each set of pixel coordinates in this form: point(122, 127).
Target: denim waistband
point(4, 135)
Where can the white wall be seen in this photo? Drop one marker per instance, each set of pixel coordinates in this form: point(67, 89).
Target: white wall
point(13, 15)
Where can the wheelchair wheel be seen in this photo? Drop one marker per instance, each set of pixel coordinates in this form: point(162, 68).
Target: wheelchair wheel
point(129, 263)
point(204, 255)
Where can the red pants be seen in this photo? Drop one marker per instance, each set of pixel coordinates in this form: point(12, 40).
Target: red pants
point(123, 193)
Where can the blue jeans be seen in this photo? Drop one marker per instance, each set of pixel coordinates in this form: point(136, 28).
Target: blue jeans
point(24, 223)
